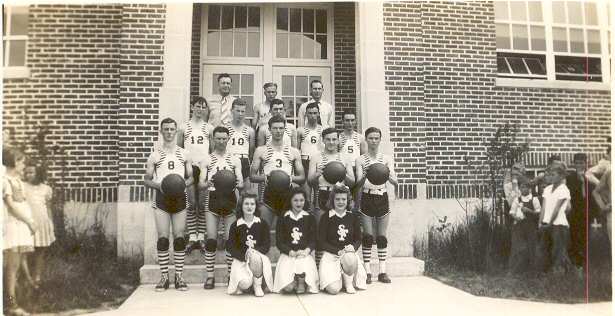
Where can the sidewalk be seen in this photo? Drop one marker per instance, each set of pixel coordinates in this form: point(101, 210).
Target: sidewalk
point(405, 296)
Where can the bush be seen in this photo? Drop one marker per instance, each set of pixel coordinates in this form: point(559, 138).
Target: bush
point(83, 271)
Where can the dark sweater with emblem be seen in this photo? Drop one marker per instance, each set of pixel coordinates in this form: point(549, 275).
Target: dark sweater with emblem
point(241, 235)
point(303, 231)
point(335, 233)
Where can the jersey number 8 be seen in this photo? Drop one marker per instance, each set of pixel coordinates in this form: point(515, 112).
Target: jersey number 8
point(171, 165)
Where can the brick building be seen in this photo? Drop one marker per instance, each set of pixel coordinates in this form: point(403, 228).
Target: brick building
point(436, 77)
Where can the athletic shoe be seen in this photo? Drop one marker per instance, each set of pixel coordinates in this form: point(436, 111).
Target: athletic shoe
point(369, 278)
point(180, 284)
point(384, 278)
point(209, 283)
point(163, 284)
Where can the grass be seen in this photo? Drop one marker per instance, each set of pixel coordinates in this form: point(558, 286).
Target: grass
point(82, 272)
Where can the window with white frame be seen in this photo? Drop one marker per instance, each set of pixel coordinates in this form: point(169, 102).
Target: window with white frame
point(552, 40)
point(233, 31)
point(301, 33)
point(14, 36)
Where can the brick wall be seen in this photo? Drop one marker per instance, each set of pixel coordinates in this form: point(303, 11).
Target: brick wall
point(344, 59)
point(73, 58)
point(440, 73)
point(195, 61)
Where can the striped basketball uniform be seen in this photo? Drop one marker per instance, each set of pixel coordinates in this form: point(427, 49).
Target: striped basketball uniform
point(220, 203)
point(166, 163)
point(324, 187)
point(374, 201)
point(273, 159)
point(239, 145)
point(311, 144)
point(350, 147)
point(196, 140)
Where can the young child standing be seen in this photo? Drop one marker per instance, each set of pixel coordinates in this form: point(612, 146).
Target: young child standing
point(38, 195)
point(18, 225)
point(524, 210)
point(296, 238)
point(249, 243)
point(553, 226)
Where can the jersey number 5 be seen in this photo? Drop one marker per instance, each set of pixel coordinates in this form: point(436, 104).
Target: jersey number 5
point(350, 149)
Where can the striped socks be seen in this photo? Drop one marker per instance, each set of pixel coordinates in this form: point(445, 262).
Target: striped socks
point(163, 261)
point(367, 257)
point(210, 258)
point(382, 257)
point(178, 258)
point(229, 262)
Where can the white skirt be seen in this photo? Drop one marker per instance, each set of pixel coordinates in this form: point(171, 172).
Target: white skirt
point(287, 267)
point(331, 271)
point(16, 235)
point(240, 271)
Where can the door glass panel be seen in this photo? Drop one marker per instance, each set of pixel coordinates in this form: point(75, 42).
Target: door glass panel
point(302, 85)
point(242, 87)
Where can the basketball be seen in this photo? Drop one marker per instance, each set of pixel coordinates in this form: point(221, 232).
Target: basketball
point(173, 185)
point(278, 180)
point(224, 180)
point(349, 263)
point(334, 172)
point(378, 174)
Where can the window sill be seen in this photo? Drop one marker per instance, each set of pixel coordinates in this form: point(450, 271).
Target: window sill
point(530, 83)
point(16, 72)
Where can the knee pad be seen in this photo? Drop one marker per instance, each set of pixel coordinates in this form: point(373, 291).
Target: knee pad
point(381, 241)
point(368, 240)
point(179, 244)
point(162, 244)
point(211, 245)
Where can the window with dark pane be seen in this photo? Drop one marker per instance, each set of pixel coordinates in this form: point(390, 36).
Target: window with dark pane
point(578, 68)
point(521, 65)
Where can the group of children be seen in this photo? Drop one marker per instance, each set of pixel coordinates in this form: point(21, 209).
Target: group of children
point(27, 227)
point(552, 212)
point(319, 226)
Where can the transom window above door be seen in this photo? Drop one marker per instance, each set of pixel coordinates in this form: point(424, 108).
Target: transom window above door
point(233, 31)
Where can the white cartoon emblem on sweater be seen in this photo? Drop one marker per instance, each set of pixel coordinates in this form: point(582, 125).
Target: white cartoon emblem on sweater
point(296, 235)
point(342, 232)
point(250, 242)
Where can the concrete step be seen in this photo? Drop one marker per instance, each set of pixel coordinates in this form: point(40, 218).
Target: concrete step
point(396, 267)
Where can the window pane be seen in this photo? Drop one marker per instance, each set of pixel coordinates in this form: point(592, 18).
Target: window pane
point(281, 45)
point(308, 46)
point(298, 103)
point(214, 84)
point(321, 21)
point(295, 20)
point(322, 42)
point(295, 45)
point(518, 10)
point(577, 68)
point(560, 41)
point(535, 8)
point(536, 66)
point(250, 105)
point(502, 36)
point(19, 20)
point(241, 18)
point(538, 38)
point(213, 43)
point(502, 66)
point(593, 42)
point(254, 18)
point(253, 44)
point(235, 84)
point(520, 37)
point(501, 10)
point(288, 85)
point(226, 44)
point(227, 17)
point(213, 17)
point(240, 44)
point(308, 21)
point(559, 13)
point(247, 84)
point(517, 65)
point(577, 44)
point(302, 86)
point(282, 17)
point(574, 13)
point(591, 15)
point(17, 53)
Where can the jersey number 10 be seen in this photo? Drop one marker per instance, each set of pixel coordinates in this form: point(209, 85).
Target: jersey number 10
point(240, 141)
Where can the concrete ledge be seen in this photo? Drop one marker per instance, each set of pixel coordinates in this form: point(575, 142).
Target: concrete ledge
point(396, 267)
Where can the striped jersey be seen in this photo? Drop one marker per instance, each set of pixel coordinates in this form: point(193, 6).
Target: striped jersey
point(277, 160)
point(217, 163)
point(350, 147)
point(196, 140)
point(166, 163)
point(311, 141)
point(324, 160)
point(368, 161)
point(239, 140)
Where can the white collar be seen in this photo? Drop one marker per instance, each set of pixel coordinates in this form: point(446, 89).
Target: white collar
point(334, 213)
point(291, 214)
point(241, 221)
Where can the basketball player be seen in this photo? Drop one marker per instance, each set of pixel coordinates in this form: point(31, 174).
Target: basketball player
point(219, 205)
point(310, 141)
point(241, 137)
point(165, 160)
point(276, 155)
point(290, 131)
point(374, 203)
point(194, 136)
point(262, 111)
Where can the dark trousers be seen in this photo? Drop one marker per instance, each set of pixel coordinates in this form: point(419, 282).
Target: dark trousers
point(523, 245)
point(552, 248)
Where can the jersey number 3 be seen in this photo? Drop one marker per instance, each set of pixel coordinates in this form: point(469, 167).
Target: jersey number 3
point(278, 163)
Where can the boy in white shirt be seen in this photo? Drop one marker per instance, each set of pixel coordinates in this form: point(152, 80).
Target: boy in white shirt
point(554, 232)
point(524, 209)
